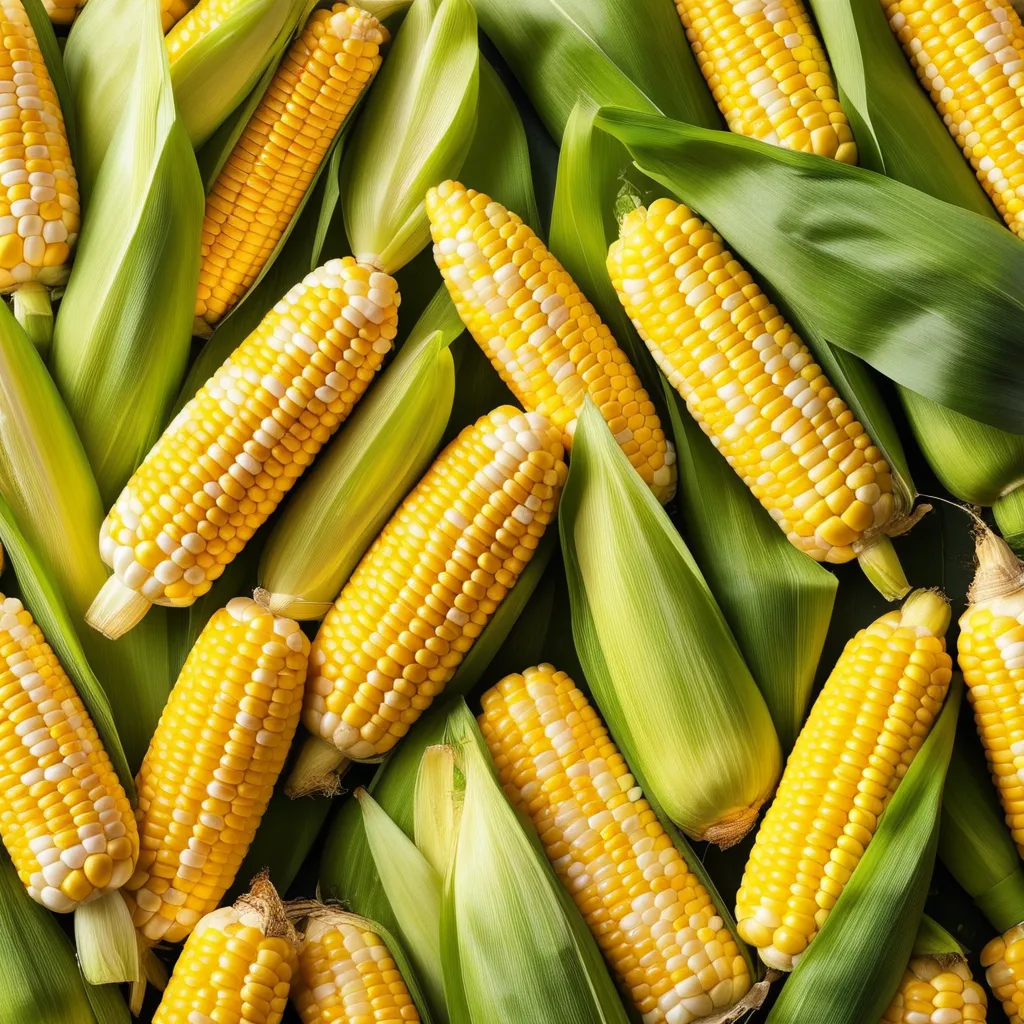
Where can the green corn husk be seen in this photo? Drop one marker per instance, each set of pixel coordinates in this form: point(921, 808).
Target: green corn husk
point(974, 842)
point(630, 54)
point(38, 974)
point(852, 968)
point(352, 491)
point(46, 484)
point(766, 588)
point(933, 940)
point(123, 331)
point(662, 664)
point(513, 945)
point(218, 71)
point(900, 134)
point(411, 135)
point(880, 270)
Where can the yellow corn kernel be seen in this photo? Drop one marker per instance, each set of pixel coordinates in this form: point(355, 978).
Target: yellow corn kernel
point(230, 456)
point(212, 764)
point(346, 975)
point(39, 214)
point(934, 992)
point(63, 12)
point(172, 11)
point(751, 383)
point(539, 331)
point(431, 581)
point(651, 916)
point(64, 816)
point(870, 719)
point(769, 74)
point(200, 21)
point(970, 58)
point(1003, 960)
point(274, 162)
point(237, 966)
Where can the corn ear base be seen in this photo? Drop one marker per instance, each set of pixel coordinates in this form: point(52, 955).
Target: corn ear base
point(352, 491)
point(412, 135)
point(513, 945)
point(124, 325)
point(852, 968)
point(216, 73)
point(682, 705)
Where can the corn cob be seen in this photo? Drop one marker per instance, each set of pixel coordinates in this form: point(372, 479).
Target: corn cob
point(39, 213)
point(652, 917)
point(195, 24)
point(274, 162)
point(226, 461)
point(970, 59)
point(1003, 960)
point(872, 715)
point(541, 334)
point(347, 975)
point(430, 582)
point(769, 73)
point(752, 384)
point(64, 817)
point(212, 765)
point(237, 966)
point(991, 656)
point(934, 992)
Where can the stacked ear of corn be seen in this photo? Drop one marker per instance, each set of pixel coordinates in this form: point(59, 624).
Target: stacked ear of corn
point(541, 334)
point(430, 582)
point(229, 457)
point(754, 388)
point(212, 765)
point(769, 73)
point(278, 154)
point(237, 965)
point(652, 917)
point(866, 726)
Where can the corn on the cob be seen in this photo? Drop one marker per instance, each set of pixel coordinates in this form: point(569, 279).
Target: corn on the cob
point(653, 919)
point(970, 59)
point(426, 588)
point(1003, 960)
point(64, 816)
point(235, 450)
point(274, 162)
point(991, 655)
point(539, 331)
point(752, 384)
point(237, 966)
point(347, 975)
point(212, 765)
point(200, 21)
point(872, 715)
point(769, 73)
point(39, 214)
point(934, 992)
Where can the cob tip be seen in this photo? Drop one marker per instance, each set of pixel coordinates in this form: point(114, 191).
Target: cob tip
point(881, 565)
point(116, 609)
point(317, 770)
point(999, 572)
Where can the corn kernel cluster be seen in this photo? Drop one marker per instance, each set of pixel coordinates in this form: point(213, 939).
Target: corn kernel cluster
point(64, 816)
point(933, 993)
point(653, 919)
point(769, 74)
point(750, 382)
point(212, 764)
point(873, 714)
point(542, 335)
point(431, 581)
point(275, 160)
point(1003, 960)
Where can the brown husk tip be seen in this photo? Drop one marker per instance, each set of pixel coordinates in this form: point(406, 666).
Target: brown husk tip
point(750, 1002)
point(301, 912)
point(999, 571)
point(728, 831)
point(262, 897)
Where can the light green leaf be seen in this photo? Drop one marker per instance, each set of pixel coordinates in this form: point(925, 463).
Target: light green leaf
point(513, 945)
point(123, 331)
point(630, 54)
point(660, 659)
point(852, 968)
point(412, 135)
point(876, 268)
point(220, 69)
